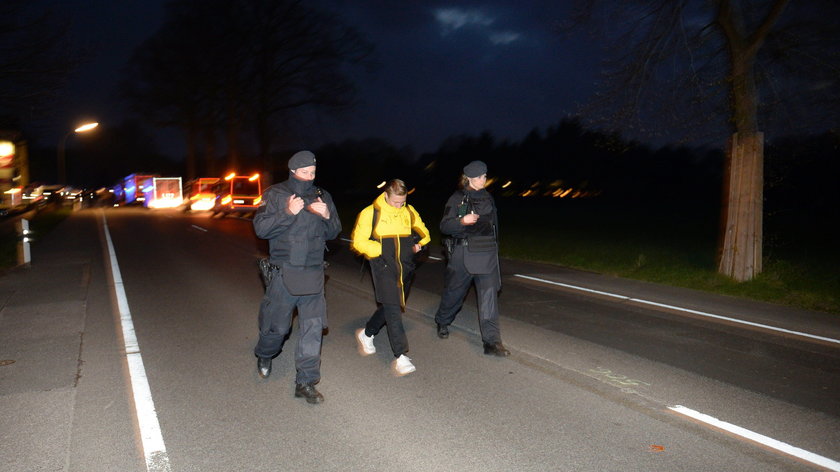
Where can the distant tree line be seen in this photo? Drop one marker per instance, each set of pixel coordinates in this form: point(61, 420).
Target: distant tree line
point(800, 197)
point(567, 155)
point(234, 75)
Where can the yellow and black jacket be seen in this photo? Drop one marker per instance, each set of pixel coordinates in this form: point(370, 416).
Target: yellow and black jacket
point(386, 235)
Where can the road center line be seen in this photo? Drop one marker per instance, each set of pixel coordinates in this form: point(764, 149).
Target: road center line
point(759, 438)
point(157, 460)
point(686, 310)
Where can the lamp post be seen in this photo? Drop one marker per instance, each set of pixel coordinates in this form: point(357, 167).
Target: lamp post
point(62, 178)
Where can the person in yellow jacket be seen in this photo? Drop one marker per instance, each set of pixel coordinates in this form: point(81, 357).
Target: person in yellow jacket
point(389, 233)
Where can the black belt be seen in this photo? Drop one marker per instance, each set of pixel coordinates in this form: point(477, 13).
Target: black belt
point(277, 267)
point(459, 241)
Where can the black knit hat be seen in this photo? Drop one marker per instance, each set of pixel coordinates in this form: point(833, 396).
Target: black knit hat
point(301, 159)
point(475, 169)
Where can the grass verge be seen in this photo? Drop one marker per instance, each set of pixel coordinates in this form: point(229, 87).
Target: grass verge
point(674, 248)
point(673, 244)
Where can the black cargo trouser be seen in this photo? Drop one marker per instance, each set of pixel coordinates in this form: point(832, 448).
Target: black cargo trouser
point(457, 282)
point(275, 322)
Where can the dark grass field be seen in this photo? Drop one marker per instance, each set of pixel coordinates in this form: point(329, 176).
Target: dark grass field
point(674, 243)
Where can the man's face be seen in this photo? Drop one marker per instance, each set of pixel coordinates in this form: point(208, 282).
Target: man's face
point(304, 173)
point(396, 201)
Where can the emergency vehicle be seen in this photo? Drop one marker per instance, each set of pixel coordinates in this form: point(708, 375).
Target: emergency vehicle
point(132, 189)
point(201, 193)
point(238, 194)
point(165, 192)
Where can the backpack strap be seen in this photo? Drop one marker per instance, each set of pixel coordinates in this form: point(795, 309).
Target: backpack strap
point(373, 222)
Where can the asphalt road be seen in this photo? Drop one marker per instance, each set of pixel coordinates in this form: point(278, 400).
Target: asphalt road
point(594, 383)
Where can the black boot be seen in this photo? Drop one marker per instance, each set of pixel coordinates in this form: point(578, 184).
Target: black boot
point(495, 349)
point(264, 366)
point(442, 331)
point(308, 392)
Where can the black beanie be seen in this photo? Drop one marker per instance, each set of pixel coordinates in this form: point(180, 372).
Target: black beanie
point(301, 159)
point(475, 169)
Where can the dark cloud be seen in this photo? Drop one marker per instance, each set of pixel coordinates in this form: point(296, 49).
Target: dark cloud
point(469, 67)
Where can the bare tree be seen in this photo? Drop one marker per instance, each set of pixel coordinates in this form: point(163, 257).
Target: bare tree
point(237, 65)
point(297, 58)
point(683, 69)
point(35, 58)
point(172, 80)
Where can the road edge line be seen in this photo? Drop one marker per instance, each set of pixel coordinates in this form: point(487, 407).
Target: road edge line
point(767, 441)
point(686, 310)
point(154, 449)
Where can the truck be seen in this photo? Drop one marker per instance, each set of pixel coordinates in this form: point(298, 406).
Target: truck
point(201, 193)
point(133, 188)
point(165, 192)
point(238, 194)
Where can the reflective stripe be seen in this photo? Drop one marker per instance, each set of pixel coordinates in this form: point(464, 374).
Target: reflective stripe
point(400, 274)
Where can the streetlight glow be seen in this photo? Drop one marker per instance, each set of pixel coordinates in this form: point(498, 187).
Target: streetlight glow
point(86, 127)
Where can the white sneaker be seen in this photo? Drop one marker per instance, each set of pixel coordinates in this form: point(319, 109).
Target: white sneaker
point(403, 365)
point(365, 343)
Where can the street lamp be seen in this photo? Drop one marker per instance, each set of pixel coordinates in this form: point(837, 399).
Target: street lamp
point(62, 178)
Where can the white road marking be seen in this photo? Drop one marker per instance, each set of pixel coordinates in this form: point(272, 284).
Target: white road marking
point(670, 307)
point(157, 460)
point(759, 438)
point(686, 310)
point(199, 228)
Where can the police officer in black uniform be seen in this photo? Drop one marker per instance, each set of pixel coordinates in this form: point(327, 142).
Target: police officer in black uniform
point(471, 223)
point(297, 218)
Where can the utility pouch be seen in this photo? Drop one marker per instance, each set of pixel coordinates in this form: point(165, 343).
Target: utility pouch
point(303, 280)
point(480, 255)
point(481, 243)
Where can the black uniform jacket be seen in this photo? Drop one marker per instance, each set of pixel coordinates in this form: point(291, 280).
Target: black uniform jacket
point(296, 242)
point(480, 240)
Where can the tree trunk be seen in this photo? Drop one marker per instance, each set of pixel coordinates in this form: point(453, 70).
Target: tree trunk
point(210, 153)
point(233, 125)
point(741, 255)
point(264, 143)
point(191, 151)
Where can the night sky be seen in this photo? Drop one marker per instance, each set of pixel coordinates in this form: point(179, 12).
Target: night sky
point(443, 68)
